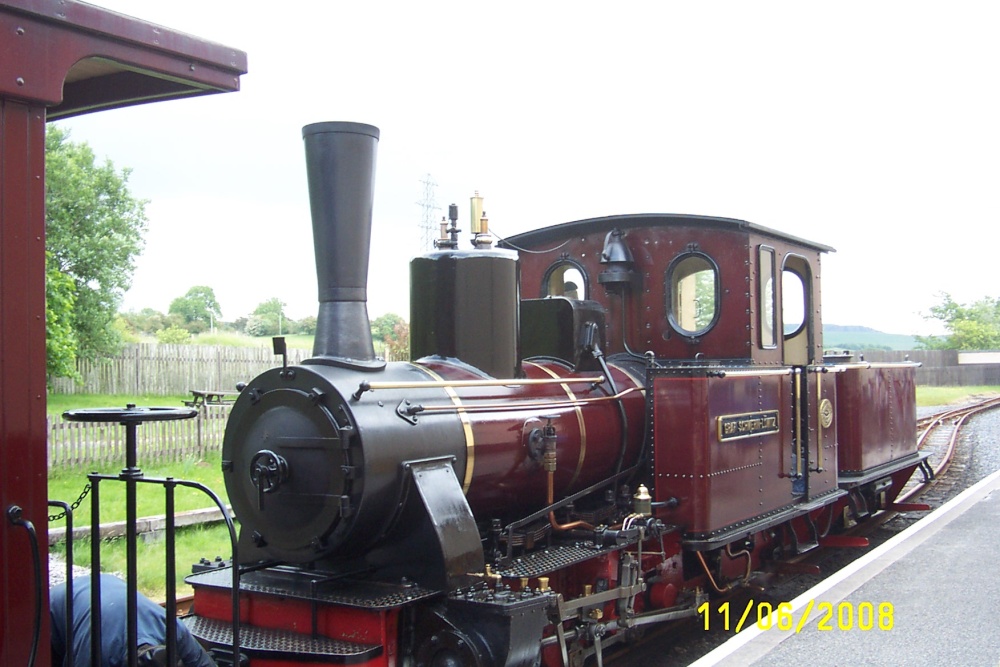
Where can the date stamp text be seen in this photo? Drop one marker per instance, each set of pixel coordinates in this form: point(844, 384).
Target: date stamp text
point(842, 616)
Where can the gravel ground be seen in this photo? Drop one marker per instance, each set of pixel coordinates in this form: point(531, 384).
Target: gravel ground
point(57, 570)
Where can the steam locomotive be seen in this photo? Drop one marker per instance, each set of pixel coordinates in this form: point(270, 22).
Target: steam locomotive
point(605, 423)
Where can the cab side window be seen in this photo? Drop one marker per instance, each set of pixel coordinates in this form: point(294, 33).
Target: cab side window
point(766, 298)
point(796, 303)
point(693, 293)
point(793, 302)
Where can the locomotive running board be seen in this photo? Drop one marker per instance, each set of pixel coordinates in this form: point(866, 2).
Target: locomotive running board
point(556, 557)
point(272, 644)
point(853, 478)
point(723, 536)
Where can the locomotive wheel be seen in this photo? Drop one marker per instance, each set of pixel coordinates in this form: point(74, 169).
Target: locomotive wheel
point(448, 648)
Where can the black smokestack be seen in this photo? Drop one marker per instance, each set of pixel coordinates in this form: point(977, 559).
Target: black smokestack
point(340, 164)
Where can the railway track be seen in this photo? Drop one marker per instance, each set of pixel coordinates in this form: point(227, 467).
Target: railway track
point(938, 434)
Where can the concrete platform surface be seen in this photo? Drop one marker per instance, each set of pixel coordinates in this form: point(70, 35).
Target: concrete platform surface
point(928, 596)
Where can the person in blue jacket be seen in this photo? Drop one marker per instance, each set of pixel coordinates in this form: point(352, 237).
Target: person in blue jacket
point(152, 628)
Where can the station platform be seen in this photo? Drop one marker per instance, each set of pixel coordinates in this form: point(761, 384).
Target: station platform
point(940, 579)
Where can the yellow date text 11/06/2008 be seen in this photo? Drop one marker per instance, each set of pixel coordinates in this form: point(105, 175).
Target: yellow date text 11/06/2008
point(843, 616)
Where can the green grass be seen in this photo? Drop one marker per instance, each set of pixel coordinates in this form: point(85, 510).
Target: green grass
point(66, 485)
point(193, 543)
point(928, 396)
point(234, 339)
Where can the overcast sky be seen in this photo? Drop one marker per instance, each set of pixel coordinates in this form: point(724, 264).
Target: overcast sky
point(868, 126)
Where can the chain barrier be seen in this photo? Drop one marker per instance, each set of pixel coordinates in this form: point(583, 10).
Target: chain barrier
point(74, 506)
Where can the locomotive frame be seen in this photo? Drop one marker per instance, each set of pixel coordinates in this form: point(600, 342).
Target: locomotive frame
point(606, 422)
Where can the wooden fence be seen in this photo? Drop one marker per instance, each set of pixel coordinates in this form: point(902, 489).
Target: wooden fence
point(173, 369)
point(100, 445)
point(941, 368)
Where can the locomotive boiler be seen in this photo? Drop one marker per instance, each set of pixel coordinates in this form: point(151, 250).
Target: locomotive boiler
point(605, 422)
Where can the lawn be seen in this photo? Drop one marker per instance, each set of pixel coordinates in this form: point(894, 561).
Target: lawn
point(193, 543)
point(67, 486)
point(929, 396)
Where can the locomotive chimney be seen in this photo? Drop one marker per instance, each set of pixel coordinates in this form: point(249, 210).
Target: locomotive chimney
point(340, 164)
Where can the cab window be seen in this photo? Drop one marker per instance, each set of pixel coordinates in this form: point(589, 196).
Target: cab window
point(796, 302)
point(766, 297)
point(565, 278)
point(793, 302)
point(693, 293)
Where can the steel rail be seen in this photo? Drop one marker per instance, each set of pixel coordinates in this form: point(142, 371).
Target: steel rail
point(953, 419)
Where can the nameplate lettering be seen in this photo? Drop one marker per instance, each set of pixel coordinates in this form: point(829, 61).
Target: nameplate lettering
point(734, 427)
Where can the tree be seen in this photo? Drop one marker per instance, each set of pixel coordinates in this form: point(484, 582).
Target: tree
point(268, 319)
point(307, 325)
point(975, 326)
point(149, 320)
point(60, 339)
point(94, 232)
point(198, 308)
point(394, 332)
point(384, 326)
point(173, 335)
point(397, 348)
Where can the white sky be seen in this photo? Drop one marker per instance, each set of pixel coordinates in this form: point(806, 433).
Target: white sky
point(871, 127)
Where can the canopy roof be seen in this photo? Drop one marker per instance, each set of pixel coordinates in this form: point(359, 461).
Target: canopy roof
point(75, 58)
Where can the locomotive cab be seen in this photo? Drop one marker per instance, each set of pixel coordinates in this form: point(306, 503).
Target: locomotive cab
point(685, 287)
point(725, 318)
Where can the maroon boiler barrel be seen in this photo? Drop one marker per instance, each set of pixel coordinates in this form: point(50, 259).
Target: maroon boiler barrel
point(502, 472)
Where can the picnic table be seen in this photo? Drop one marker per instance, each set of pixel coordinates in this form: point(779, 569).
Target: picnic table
point(200, 397)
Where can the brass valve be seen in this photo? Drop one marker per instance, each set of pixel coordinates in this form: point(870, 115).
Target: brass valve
point(549, 440)
point(642, 502)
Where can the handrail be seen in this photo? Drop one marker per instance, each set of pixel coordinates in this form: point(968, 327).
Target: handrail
point(444, 384)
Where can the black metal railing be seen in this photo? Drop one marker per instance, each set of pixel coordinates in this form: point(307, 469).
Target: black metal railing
point(131, 417)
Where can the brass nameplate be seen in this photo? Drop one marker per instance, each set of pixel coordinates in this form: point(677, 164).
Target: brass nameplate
point(734, 427)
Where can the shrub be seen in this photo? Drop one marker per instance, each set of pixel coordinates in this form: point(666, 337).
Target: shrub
point(173, 335)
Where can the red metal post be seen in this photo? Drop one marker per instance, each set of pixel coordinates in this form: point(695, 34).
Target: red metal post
point(23, 480)
point(59, 58)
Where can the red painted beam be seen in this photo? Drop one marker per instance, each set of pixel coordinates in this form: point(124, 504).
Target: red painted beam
point(843, 541)
point(59, 58)
point(23, 476)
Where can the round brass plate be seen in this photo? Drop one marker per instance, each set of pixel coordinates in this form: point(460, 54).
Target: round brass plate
point(825, 413)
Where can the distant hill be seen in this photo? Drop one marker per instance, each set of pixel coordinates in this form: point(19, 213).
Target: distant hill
point(864, 338)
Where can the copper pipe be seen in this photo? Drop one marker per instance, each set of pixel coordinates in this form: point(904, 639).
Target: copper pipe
point(745, 552)
point(552, 515)
point(732, 584)
point(711, 579)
